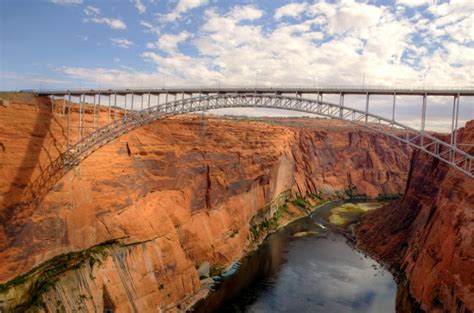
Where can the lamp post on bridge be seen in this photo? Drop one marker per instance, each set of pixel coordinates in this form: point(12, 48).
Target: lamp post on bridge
point(424, 76)
point(256, 78)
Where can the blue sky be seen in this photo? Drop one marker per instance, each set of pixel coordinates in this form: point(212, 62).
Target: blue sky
point(72, 43)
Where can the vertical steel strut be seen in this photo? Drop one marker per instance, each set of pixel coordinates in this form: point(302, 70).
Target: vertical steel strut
point(108, 111)
point(115, 106)
point(125, 106)
point(79, 119)
point(454, 127)
point(423, 120)
point(341, 104)
point(93, 116)
point(393, 106)
point(83, 113)
point(98, 113)
point(367, 108)
point(68, 122)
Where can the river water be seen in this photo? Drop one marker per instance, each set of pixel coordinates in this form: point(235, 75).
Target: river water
point(319, 272)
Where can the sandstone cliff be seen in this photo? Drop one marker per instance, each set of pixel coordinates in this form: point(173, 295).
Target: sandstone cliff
point(126, 229)
point(427, 237)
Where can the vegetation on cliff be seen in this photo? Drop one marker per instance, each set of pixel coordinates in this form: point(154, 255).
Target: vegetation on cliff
point(24, 292)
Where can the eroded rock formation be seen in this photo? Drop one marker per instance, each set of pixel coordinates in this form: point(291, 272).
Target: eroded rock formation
point(127, 228)
point(427, 237)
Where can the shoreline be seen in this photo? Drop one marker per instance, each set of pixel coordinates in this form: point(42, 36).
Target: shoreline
point(254, 246)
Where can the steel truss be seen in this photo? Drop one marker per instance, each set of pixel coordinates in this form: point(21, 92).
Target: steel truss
point(448, 153)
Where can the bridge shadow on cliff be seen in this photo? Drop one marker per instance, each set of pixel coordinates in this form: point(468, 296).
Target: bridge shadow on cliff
point(25, 194)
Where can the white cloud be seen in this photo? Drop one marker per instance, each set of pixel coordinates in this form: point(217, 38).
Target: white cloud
point(169, 43)
point(247, 12)
point(182, 7)
point(337, 43)
point(109, 78)
point(32, 80)
point(140, 6)
point(354, 17)
point(95, 16)
point(291, 10)
point(413, 3)
point(172, 66)
point(91, 11)
point(150, 27)
point(186, 5)
point(67, 2)
point(121, 42)
point(462, 31)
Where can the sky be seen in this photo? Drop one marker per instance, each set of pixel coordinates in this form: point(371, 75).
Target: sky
point(47, 44)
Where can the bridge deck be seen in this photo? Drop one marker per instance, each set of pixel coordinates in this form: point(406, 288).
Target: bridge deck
point(429, 91)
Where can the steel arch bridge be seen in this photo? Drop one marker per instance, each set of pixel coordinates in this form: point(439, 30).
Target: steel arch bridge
point(419, 139)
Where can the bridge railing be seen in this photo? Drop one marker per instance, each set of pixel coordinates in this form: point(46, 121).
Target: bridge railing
point(263, 87)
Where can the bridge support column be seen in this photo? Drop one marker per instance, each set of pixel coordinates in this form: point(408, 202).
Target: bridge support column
point(423, 120)
point(115, 106)
point(141, 104)
point(454, 126)
point(93, 115)
point(341, 104)
point(125, 106)
point(98, 113)
point(79, 120)
point(393, 108)
point(131, 107)
point(367, 108)
point(83, 114)
point(166, 102)
point(149, 97)
point(68, 130)
point(108, 111)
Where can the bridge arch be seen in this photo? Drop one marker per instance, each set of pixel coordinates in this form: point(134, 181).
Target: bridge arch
point(417, 139)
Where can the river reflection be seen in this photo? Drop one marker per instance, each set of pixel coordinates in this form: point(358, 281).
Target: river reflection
point(318, 273)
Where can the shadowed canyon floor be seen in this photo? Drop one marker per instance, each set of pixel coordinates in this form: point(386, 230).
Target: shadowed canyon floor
point(127, 229)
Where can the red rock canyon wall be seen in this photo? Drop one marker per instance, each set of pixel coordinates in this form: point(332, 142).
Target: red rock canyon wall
point(162, 199)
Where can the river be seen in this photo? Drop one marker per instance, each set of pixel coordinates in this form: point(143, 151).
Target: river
point(317, 270)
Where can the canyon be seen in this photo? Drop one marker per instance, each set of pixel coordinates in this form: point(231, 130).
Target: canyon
point(127, 229)
point(427, 237)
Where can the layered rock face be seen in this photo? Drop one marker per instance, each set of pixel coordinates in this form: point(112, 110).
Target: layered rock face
point(127, 228)
point(428, 236)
